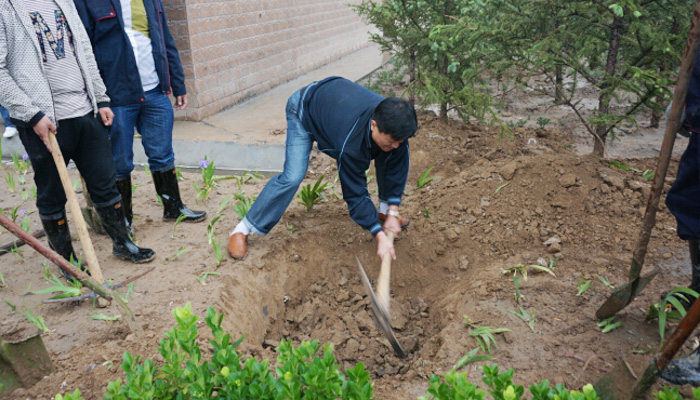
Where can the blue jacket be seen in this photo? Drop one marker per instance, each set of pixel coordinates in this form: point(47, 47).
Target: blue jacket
point(337, 113)
point(115, 56)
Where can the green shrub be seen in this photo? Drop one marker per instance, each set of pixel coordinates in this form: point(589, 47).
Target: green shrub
point(454, 385)
point(306, 372)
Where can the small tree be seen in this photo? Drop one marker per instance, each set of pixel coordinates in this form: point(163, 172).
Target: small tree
point(438, 62)
point(621, 48)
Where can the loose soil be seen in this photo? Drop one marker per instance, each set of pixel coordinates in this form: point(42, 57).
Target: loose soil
point(495, 202)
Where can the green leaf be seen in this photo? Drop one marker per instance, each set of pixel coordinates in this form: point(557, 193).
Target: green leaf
point(103, 317)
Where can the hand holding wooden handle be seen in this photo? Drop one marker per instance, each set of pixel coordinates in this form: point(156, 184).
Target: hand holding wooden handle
point(383, 292)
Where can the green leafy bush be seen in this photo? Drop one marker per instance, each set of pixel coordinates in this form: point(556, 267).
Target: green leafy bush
point(306, 372)
point(455, 385)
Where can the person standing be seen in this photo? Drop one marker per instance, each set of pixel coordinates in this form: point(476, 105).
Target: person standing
point(10, 129)
point(353, 125)
point(683, 201)
point(141, 67)
point(50, 84)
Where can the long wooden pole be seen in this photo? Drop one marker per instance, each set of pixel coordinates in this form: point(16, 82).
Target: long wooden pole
point(88, 251)
point(97, 287)
point(55, 257)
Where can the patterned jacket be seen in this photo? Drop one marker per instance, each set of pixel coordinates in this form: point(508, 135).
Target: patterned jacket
point(24, 86)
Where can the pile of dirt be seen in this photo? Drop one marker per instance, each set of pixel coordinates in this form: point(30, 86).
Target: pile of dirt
point(495, 202)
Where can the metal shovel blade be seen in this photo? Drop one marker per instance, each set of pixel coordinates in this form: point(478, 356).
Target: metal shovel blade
point(623, 295)
point(381, 319)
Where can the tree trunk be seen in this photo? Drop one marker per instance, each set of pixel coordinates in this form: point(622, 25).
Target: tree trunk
point(412, 78)
point(604, 97)
point(443, 67)
point(655, 115)
point(443, 104)
point(559, 82)
point(663, 67)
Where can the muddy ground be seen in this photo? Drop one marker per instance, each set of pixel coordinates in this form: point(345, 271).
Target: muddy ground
point(495, 202)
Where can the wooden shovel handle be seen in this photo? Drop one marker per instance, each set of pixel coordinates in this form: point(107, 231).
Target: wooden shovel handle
point(383, 296)
point(92, 265)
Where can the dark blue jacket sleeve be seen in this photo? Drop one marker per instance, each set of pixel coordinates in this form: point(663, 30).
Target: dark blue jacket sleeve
point(177, 75)
point(392, 170)
point(353, 181)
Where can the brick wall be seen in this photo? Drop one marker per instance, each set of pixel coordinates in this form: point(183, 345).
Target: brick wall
point(234, 49)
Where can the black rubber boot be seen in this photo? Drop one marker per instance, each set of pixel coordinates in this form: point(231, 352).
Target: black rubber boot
point(59, 240)
point(124, 187)
point(114, 223)
point(694, 247)
point(169, 192)
point(684, 370)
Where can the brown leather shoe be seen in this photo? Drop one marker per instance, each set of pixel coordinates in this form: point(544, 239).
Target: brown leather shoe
point(403, 221)
point(238, 246)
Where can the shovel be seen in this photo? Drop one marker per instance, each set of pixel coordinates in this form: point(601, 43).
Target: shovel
point(616, 384)
point(622, 296)
point(380, 301)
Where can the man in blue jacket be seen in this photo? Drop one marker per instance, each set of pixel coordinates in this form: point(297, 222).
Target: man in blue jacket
point(354, 126)
point(140, 66)
point(683, 200)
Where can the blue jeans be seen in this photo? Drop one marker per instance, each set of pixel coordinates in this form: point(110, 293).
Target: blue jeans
point(153, 119)
point(280, 190)
point(6, 117)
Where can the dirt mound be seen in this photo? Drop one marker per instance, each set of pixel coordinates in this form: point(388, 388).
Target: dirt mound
point(495, 202)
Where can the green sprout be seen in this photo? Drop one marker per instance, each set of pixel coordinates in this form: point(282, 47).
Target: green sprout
point(247, 177)
point(484, 336)
point(215, 245)
point(102, 317)
point(224, 203)
point(522, 270)
point(582, 286)
point(608, 325)
point(203, 279)
point(312, 195)
point(243, 204)
point(10, 179)
point(425, 178)
point(35, 320)
point(529, 319)
point(606, 282)
point(471, 357)
point(518, 296)
point(177, 255)
point(73, 289)
point(179, 219)
point(664, 310)
point(498, 189)
point(542, 122)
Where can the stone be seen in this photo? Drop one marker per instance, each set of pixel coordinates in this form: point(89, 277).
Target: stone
point(463, 263)
point(614, 181)
point(399, 316)
point(568, 180)
point(507, 171)
point(342, 296)
point(352, 347)
point(554, 248)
